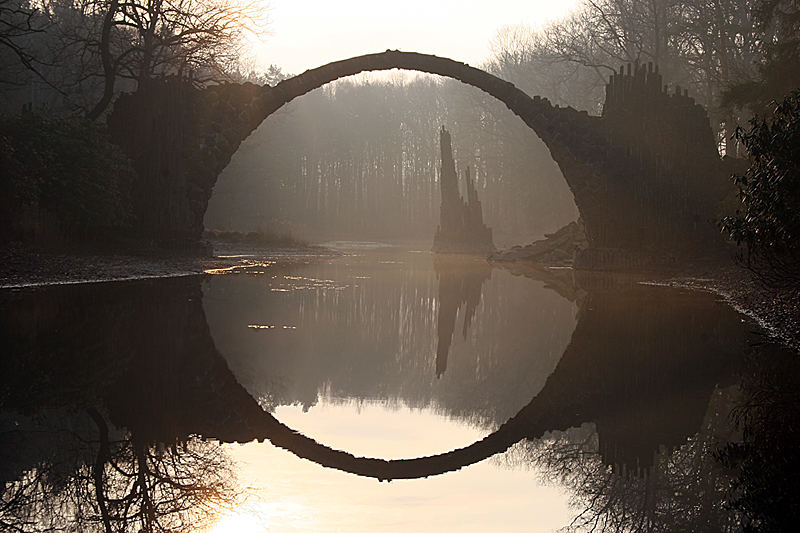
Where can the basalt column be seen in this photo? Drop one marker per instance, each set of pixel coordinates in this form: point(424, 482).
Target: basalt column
point(461, 228)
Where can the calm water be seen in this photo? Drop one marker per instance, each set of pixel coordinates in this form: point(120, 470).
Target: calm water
point(286, 398)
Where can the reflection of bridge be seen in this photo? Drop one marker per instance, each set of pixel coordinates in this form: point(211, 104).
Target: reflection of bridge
point(642, 364)
point(644, 174)
point(643, 373)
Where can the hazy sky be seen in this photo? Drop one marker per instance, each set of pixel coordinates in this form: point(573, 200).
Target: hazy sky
point(307, 34)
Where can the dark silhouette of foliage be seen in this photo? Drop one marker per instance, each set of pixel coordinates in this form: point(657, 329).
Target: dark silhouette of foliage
point(104, 479)
point(62, 179)
point(769, 223)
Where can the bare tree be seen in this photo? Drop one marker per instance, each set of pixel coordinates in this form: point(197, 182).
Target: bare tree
point(528, 59)
point(142, 39)
point(703, 45)
point(685, 489)
point(18, 22)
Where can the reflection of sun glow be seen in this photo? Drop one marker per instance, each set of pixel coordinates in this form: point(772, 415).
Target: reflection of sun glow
point(261, 516)
point(239, 523)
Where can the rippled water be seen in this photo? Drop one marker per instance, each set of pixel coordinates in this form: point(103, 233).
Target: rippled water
point(528, 400)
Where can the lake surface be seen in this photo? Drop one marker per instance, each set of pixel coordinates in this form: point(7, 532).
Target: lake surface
point(383, 390)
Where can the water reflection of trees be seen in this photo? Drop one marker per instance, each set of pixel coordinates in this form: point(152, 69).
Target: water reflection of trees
point(739, 472)
point(372, 335)
point(119, 455)
point(683, 490)
point(765, 462)
point(642, 364)
point(95, 384)
point(88, 476)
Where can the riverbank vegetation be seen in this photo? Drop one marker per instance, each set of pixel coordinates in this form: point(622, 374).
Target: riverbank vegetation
point(769, 221)
point(62, 64)
point(357, 159)
point(63, 181)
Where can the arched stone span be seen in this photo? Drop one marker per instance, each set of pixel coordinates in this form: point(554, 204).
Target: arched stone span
point(536, 112)
point(623, 353)
point(643, 175)
point(209, 125)
point(553, 125)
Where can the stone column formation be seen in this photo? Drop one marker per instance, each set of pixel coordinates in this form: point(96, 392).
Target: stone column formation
point(461, 228)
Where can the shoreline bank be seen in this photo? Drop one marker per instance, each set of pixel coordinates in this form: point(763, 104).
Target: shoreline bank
point(776, 311)
point(20, 269)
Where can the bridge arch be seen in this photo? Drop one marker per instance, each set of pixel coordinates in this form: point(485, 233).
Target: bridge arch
point(548, 123)
point(536, 112)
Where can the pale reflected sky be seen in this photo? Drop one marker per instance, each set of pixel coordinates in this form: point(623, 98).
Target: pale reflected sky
point(291, 494)
point(307, 34)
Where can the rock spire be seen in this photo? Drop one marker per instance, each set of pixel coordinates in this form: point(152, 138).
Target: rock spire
point(461, 228)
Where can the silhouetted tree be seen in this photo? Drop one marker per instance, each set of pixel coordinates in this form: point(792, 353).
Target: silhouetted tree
point(766, 467)
point(360, 160)
point(701, 45)
point(778, 73)
point(18, 21)
point(62, 180)
point(73, 56)
point(142, 39)
point(108, 480)
point(524, 57)
point(685, 489)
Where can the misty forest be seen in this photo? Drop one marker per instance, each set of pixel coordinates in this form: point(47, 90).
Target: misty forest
point(421, 266)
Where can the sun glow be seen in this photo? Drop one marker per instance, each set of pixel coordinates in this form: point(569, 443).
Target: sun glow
point(305, 35)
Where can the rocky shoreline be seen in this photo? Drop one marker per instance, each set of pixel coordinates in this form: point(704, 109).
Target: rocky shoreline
point(776, 310)
point(558, 248)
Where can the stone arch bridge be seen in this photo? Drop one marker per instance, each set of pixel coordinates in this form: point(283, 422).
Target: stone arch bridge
point(645, 175)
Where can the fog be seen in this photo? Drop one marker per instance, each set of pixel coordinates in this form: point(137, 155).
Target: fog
point(360, 160)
